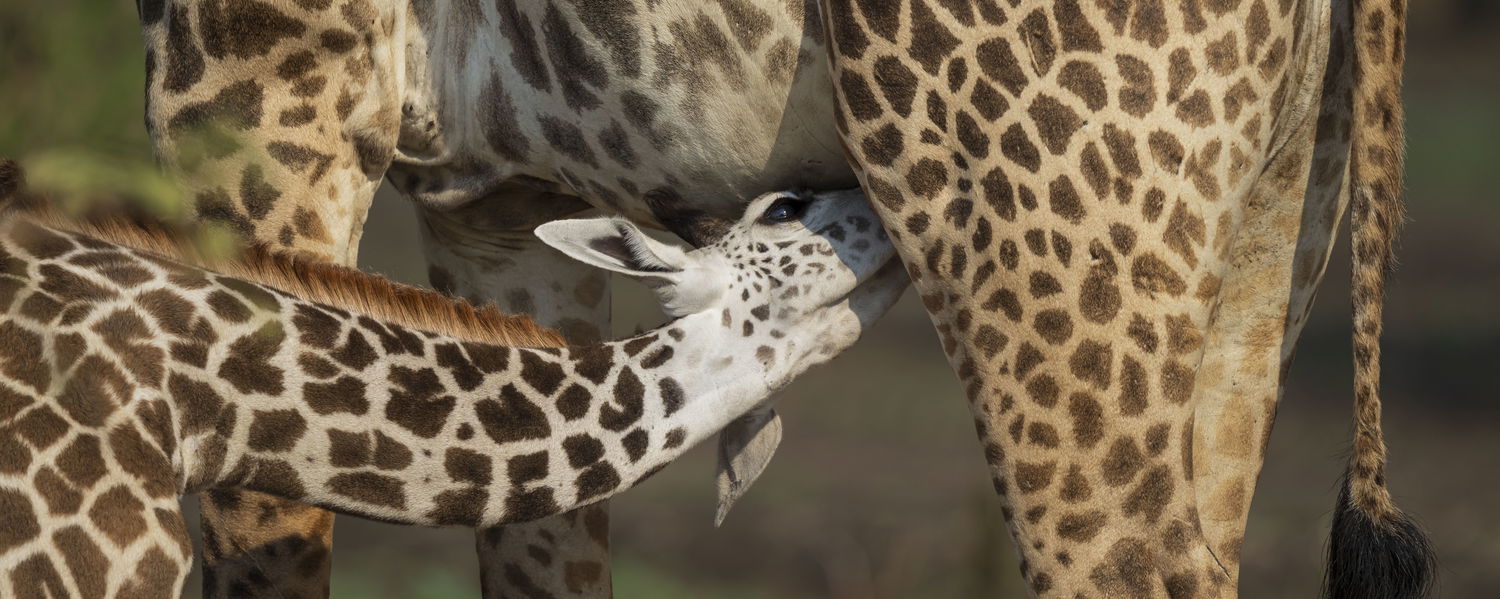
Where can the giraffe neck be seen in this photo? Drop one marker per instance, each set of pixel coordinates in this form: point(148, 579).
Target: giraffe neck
point(337, 409)
point(492, 435)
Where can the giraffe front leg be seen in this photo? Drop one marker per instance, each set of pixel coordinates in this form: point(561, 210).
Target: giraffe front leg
point(565, 555)
point(277, 120)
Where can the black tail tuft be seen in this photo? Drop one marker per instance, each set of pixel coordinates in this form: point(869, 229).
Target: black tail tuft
point(1377, 556)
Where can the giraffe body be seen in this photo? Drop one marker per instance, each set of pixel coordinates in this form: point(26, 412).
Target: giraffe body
point(323, 97)
point(1117, 214)
point(132, 379)
point(522, 108)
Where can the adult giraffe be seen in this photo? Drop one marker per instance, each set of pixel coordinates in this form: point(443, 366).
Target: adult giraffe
point(1099, 207)
point(281, 118)
point(1097, 200)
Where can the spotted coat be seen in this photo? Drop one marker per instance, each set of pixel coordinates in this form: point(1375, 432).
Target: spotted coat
point(130, 380)
point(1117, 214)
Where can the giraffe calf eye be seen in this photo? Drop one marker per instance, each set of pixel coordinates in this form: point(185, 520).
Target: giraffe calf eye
point(784, 210)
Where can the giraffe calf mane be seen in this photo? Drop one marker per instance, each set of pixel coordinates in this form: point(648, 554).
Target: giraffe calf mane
point(300, 275)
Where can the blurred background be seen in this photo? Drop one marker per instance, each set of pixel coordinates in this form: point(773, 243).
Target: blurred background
point(880, 489)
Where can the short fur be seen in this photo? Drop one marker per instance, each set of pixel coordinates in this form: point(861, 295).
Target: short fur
point(1375, 550)
point(129, 381)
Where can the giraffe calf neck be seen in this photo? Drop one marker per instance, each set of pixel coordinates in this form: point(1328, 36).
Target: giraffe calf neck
point(131, 378)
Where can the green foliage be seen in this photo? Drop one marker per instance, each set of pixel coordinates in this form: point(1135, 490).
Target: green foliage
point(72, 106)
point(78, 180)
point(71, 75)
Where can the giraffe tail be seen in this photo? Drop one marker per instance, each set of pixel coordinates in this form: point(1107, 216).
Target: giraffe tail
point(1375, 550)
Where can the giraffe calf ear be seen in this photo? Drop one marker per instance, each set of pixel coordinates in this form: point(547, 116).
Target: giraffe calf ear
point(745, 449)
point(614, 244)
point(683, 283)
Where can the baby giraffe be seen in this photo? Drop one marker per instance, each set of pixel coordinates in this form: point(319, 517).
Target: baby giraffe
point(130, 376)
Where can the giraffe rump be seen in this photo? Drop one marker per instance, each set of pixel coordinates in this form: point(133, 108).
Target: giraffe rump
point(1374, 549)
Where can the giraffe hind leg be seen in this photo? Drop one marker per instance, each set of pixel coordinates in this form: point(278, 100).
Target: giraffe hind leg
point(259, 545)
point(566, 555)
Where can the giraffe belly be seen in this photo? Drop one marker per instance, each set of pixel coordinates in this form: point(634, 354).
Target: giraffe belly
point(684, 117)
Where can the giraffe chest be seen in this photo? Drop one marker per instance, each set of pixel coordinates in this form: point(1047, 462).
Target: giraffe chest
point(651, 111)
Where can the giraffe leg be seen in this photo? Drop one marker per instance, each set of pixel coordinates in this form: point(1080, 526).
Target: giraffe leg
point(283, 137)
point(162, 569)
point(565, 555)
point(1265, 297)
point(259, 545)
point(110, 540)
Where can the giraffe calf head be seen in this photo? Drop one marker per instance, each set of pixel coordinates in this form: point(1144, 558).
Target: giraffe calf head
point(790, 285)
point(790, 259)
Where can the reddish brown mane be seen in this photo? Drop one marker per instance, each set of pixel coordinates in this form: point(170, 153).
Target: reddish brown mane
point(342, 287)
